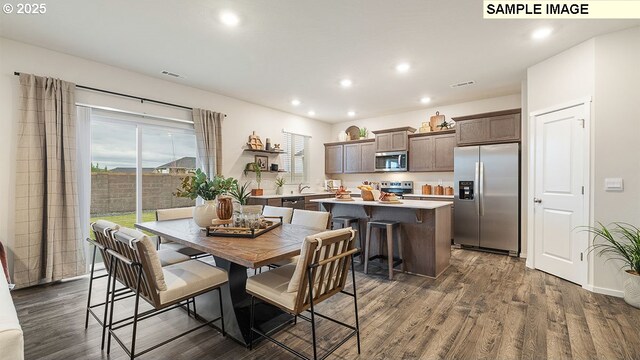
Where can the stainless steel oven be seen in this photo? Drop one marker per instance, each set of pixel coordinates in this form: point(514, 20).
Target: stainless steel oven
point(391, 161)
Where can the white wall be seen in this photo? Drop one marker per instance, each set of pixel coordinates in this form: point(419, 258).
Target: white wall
point(606, 69)
point(242, 116)
point(617, 134)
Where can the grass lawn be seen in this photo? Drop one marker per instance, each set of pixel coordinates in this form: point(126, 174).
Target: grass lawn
point(125, 219)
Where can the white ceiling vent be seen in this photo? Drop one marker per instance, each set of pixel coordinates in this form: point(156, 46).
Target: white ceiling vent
point(169, 73)
point(465, 83)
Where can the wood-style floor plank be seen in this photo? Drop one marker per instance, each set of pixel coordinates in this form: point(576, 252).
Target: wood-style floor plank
point(484, 306)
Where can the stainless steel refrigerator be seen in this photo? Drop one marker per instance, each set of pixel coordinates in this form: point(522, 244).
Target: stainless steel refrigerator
point(487, 197)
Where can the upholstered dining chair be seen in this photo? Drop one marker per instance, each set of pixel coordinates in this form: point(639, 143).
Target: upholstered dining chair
point(309, 218)
point(102, 231)
point(274, 211)
point(321, 272)
point(176, 214)
point(136, 264)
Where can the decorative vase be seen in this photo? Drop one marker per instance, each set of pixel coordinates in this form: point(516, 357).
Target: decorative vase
point(279, 190)
point(632, 288)
point(225, 207)
point(205, 213)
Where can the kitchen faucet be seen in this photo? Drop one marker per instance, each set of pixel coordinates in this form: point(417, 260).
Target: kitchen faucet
point(300, 188)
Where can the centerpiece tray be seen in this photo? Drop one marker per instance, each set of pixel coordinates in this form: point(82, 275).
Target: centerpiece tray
point(241, 232)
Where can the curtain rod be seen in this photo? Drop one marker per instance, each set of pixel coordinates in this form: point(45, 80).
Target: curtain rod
point(142, 100)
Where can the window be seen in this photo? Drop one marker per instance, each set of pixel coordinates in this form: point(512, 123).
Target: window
point(296, 157)
point(124, 146)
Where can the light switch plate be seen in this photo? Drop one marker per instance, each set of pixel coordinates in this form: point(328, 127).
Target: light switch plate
point(613, 184)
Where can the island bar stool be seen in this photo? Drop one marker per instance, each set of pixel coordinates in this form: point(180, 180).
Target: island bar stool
point(386, 230)
point(349, 221)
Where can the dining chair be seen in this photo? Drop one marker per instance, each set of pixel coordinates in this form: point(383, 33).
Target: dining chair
point(136, 264)
point(102, 231)
point(321, 272)
point(313, 219)
point(176, 214)
point(274, 211)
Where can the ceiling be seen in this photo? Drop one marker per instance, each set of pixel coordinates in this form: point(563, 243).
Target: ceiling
point(286, 49)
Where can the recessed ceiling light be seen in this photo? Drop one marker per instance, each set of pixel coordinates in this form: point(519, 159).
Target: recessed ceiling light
point(403, 67)
point(351, 113)
point(296, 102)
point(541, 33)
point(229, 18)
point(425, 100)
point(346, 83)
point(311, 113)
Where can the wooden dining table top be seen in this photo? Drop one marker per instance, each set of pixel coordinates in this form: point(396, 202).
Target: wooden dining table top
point(278, 244)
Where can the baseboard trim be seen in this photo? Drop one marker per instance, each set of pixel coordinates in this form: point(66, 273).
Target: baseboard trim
point(605, 291)
point(523, 255)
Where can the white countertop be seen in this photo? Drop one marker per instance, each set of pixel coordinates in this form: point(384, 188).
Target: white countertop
point(430, 196)
point(274, 196)
point(406, 204)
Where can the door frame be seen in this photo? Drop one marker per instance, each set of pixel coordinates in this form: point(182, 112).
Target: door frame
point(588, 179)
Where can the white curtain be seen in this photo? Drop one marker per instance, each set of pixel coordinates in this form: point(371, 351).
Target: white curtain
point(208, 128)
point(83, 168)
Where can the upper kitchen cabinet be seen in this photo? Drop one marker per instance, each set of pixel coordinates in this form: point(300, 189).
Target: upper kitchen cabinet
point(333, 158)
point(359, 157)
point(432, 151)
point(393, 139)
point(488, 128)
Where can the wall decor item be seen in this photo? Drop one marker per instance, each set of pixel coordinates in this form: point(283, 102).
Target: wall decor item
point(276, 147)
point(275, 167)
point(353, 132)
point(280, 181)
point(364, 133)
point(436, 120)
point(268, 145)
point(263, 162)
point(254, 142)
point(425, 128)
point(253, 166)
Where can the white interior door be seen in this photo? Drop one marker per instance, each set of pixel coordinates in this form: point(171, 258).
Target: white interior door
point(559, 203)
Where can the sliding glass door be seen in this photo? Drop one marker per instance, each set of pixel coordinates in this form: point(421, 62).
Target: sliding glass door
point(136, 165)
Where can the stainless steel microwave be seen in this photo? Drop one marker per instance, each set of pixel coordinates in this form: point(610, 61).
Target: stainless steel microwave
point(391, 161)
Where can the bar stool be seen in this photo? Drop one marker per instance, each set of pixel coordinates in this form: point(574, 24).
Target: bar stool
point(386, 230)
point(347, 221)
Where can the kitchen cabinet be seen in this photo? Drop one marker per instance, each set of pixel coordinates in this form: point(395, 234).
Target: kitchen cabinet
point(333, 158)
point(393, 139)
point(261, 201)
point(488, 128)
point(432, 151)
point(359, 157)
point(368, 157)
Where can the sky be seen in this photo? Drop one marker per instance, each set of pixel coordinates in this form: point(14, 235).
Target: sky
point(114, 145)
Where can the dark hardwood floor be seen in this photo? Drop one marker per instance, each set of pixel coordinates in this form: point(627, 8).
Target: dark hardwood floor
point(484, 306)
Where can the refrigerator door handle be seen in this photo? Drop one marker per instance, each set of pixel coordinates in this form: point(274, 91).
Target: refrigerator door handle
point(481, 188)
point(477, 179)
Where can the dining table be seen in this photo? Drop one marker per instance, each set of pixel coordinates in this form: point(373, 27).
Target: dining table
point(236, 255)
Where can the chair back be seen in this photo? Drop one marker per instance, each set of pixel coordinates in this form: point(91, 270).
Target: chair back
point(138, 259)
point(326, 258)
point(275, 211)
point(102, 230)
point(174, 213)
point(313, 219)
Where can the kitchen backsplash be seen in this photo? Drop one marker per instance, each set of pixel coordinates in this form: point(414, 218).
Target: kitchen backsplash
point(351, 181)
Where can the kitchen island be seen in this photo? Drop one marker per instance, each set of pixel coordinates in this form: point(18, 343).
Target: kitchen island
point(425, 229)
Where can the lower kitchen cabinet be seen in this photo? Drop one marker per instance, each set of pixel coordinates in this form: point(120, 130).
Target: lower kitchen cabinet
point(260, 201)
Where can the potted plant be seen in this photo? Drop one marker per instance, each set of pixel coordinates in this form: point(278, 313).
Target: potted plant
point(621, 241)
point(255, 167)
point(241, 193)
point(197, 184)
point(363, 133)
point(280, 181)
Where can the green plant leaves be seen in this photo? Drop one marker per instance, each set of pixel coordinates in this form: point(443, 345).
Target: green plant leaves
point(620, 241)
point(198, 184)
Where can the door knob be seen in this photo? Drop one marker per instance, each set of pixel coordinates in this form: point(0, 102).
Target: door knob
point(537, 201)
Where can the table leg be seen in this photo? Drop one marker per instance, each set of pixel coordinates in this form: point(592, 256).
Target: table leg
point(236, 306)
